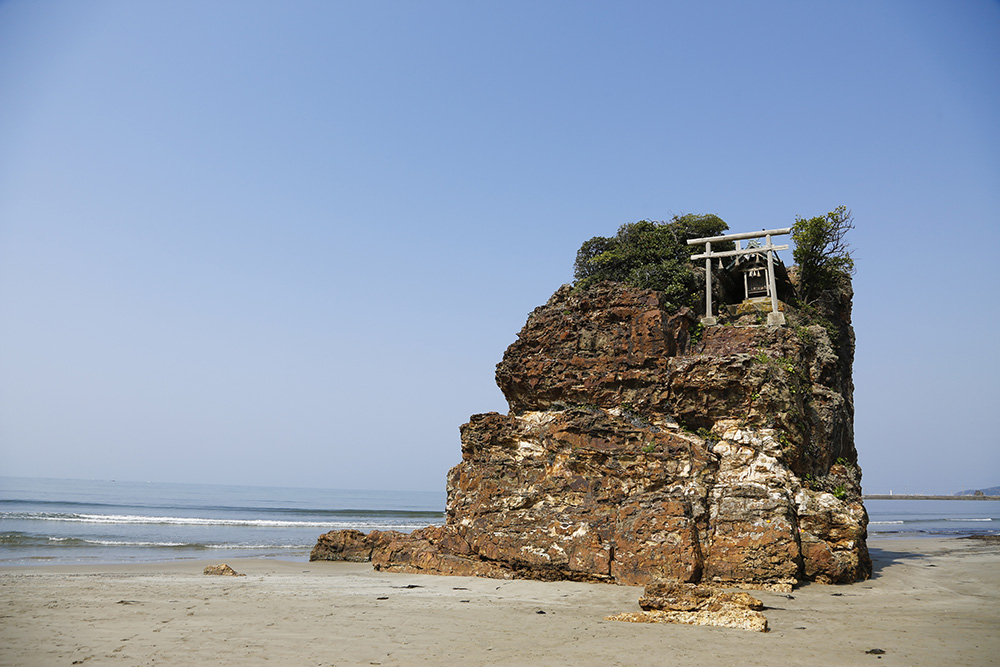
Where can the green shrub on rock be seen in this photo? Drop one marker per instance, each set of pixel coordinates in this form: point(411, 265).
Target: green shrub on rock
point(821, 252)
point(649, 255)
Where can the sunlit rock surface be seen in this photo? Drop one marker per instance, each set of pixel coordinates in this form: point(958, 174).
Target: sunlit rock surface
point(639, 447)
point(691, 604)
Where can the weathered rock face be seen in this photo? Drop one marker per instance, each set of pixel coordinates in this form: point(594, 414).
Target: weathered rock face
point(636, 451)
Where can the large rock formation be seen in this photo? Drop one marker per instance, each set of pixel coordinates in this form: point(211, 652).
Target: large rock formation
point(640, 447)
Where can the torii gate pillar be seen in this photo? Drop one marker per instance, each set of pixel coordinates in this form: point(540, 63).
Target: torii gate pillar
point(709, 319)
point(775, 317)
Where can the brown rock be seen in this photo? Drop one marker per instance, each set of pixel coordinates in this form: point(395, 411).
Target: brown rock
point(604, 346)
point(674, 596)
point(632, 453)
point(351, 545)
point(222, 569)
point(433, 550)
point(690, 604)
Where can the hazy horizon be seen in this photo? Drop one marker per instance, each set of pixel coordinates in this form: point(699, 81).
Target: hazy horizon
point(441, 491)
point(286, 244)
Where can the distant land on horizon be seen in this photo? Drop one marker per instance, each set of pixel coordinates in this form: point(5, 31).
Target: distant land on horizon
point(987, 491)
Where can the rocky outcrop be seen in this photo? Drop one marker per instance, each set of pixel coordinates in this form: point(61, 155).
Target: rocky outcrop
point(639, 447)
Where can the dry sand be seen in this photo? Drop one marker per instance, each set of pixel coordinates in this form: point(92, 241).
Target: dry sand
point(930, 602)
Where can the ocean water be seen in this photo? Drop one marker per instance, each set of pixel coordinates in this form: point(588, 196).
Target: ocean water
point(49, 521)
point(932, 518)
point(57, 521)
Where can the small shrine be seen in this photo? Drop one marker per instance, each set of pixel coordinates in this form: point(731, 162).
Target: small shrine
point(754, 270)
point(755, 262)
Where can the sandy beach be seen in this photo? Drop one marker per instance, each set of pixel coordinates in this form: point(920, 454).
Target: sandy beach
point(930, 602)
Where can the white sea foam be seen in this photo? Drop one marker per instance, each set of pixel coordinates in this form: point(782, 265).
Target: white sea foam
point(191, 521)
point(259, 546)
point(146, 543)
point(129, 543)
point(882, 523)
point(135, 519)
point(141, 519)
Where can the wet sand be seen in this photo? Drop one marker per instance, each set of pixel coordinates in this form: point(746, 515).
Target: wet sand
point(930, 602)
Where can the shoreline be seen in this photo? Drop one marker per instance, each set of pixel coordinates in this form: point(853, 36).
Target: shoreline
point(930, 601)
point(303, 555)
point(917, 496)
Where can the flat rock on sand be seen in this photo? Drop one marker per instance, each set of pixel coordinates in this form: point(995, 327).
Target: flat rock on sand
point(691, 604)
point(930, 602)
point(223, 570)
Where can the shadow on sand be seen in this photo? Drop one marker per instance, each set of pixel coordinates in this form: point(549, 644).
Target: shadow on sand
point(883, 557)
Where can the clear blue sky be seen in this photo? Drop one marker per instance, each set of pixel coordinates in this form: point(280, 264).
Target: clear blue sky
point(286, 243)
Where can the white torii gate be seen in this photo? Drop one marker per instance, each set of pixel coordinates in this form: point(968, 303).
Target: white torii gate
point(774, 317)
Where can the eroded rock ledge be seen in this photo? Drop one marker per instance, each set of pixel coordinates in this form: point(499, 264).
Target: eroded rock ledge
point(639, 448)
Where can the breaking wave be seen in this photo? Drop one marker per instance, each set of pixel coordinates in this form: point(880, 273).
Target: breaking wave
point(18, 539)
point(361, 518)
